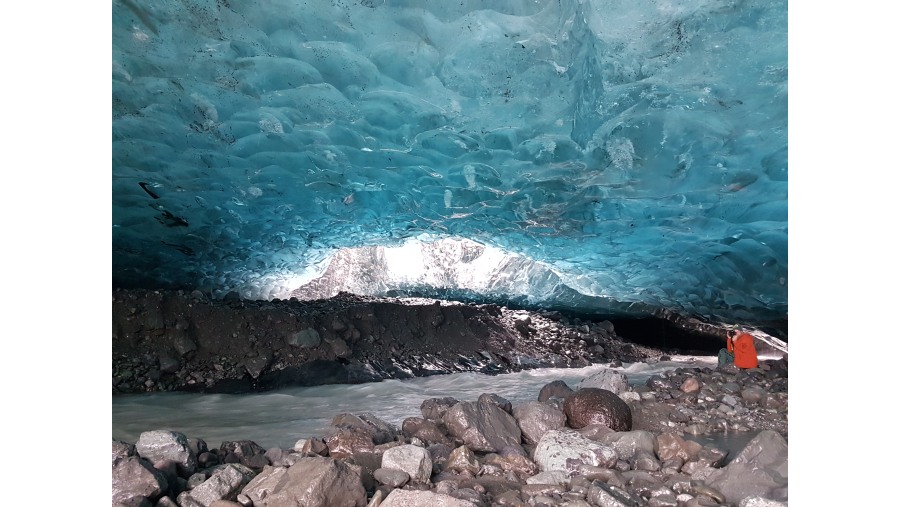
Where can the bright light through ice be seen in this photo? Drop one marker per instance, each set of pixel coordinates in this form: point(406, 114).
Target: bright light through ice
point(405, 263)
point(422, 263)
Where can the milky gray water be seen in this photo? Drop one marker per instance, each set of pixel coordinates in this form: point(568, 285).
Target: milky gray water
point(280, 418)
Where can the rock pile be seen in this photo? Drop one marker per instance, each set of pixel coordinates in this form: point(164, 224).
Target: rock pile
point(179, 341)
point(639, 447)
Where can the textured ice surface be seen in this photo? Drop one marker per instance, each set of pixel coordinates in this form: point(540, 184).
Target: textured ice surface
point(631, 152)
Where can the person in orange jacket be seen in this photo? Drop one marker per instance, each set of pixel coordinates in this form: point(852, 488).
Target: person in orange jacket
point(740, 350)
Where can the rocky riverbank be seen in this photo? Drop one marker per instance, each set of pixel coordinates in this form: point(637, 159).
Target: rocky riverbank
point(604, 443)
point(181, 341)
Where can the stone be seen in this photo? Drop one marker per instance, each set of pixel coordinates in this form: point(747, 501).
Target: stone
point(247, 453)
point(340, 348)
point(555, 389)
point(557, 477)
point(411, 459)
point(670, 445)
point(425, 430)
point(121, 450)
point(627, 443)
point(391, 477)
point(690, 385)
point(755, 501)
point(311, 445)
point(754, 395)
point(134, 478)
point(482, 426)
point(558, 446)
point(345, 442)
point(312, 482)
point(500, 401)
point(646, 461)
point(405, 498)
point(380, 431)
point(611, 380)
point(223, 484)
point(536, 418)
point(307, 338)
point(597, 406)
point(435, 408)
point(160, 445)
point(462, 459)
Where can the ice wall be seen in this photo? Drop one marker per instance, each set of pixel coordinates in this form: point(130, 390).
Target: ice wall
point(636, 149)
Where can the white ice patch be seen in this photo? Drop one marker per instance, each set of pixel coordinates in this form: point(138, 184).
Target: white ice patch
point(621, 152)
point(469, 173)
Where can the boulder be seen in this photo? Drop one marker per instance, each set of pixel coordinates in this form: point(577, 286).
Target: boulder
point(380, 431)
point(411, 459)
point(345, 442)
point(611, 380)
point(500, 401)
point(121, 450)
point(670, 445)
point(391, 477)
point(597, 406)
point(536, 418)
point(435, 408)
point(555, 389)
point(628, 443)
point(462, 459)
point(225, 482)
point(482, 426)
point(311, 482)
point(406, 498)
point(760, 469)
point(425, 430)
point(245, 452)
point(134, 478)
point(161, 445)
point(558, 446)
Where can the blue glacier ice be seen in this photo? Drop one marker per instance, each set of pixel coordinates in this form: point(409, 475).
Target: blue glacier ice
point(586, 154)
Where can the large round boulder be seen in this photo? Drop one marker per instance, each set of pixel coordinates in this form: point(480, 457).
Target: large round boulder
point(593, 405)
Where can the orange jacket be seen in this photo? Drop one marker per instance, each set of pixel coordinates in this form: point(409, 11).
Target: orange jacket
point(744, 351)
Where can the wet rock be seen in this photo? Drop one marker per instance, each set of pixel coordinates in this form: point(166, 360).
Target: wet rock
point(380, 431)
point(555, 389)
point(223, 484)
point(245, 452)
point(482, 426)
point(256, 365)
point(313, 445)
point(499, 401)
point(161, 445)
point(121, 450)
point(134, 478)
point(690, 385)
point(311, 482)
point(405, 498)
point(628, 443)
point(435, 408)
point(345, 442)
point(391, 477)
point(556, 477)
point(556, 447)
point(462, 459)
point(597, 406)
point(536, 418)
point(670, 445)
point(611, 380)
point(425, 430)
point(411, 459)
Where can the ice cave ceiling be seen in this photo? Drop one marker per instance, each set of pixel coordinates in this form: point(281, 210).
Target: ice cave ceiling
point(620, 155)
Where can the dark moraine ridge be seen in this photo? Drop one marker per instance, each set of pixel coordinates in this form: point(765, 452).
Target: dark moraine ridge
point(172, 340)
